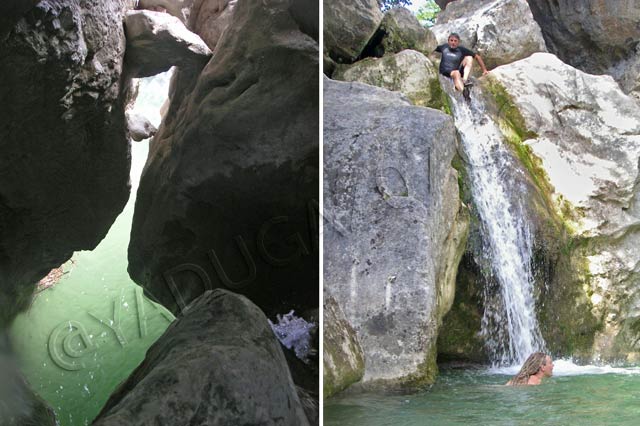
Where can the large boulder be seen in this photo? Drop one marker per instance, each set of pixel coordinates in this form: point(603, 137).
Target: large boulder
point(586, 134)
point(594, 36)
point(219, 363)
point(408, 72)
point(400, 30)
point(392, 210)
point(348, 27)
point(228, 196)
point(207, 18)
point(342, 359)
point(501, 31)
point(65, 151)
point(157, 41)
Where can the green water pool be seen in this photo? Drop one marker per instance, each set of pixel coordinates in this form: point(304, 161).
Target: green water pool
point(478, 397)
point(86, 334)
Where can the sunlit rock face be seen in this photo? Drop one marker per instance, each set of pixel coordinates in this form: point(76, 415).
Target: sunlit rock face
point(228, 197)
point(408, 72)
point(157, 41)
point(594, 36)
point(218, 363)
point(586, 132)
point(501, 31)
point(393, 226)
point(65, 152)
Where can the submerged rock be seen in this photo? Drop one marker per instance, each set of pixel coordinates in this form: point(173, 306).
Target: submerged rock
point(65, 152)
point(392, 208)
point(157, 41)
point(342, 359)
point(501, 31)
point(348, 27)
point(218, 363)
point(408, 72)
point(228, 196)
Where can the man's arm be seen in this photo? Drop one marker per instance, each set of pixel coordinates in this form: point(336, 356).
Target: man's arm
point(485, 71)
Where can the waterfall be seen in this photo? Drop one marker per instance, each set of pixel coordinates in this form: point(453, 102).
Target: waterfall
point(509, 323)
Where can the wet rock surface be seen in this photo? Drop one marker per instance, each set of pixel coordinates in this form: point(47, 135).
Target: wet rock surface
point(218, 363)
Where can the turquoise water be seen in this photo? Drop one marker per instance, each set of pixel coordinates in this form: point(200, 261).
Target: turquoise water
point(576, 396)
point(85, 335)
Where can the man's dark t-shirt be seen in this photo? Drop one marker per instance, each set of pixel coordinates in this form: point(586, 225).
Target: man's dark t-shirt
point(452, 58)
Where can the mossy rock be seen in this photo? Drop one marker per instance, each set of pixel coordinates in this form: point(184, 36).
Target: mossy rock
point(408, 72)
point(342, 358)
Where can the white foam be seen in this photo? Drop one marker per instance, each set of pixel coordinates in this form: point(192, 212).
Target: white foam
point(566, 367)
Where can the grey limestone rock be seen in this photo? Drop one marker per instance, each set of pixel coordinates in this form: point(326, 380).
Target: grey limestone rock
point(348, 27)
point(218, 364)
point(391, 203)
point(342, 359)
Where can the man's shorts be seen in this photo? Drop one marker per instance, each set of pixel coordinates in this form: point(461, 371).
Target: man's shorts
point(448, 73)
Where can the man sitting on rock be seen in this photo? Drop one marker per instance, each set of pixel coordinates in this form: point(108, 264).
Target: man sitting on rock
point(538, 366)
point(456, 63)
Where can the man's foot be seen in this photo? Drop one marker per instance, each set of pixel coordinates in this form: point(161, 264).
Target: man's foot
point(465, 93)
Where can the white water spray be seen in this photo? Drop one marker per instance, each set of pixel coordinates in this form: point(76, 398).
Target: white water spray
point(510, 327)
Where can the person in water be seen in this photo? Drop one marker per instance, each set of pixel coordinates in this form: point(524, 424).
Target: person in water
point(534, 369)
point(456, 63)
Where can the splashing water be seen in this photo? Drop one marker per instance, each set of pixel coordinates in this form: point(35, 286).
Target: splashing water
point(509, 324)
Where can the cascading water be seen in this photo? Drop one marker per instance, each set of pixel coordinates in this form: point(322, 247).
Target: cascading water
point(509, 324)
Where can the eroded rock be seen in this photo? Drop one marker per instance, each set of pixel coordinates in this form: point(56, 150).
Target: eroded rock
point(390, 203)
point(228, 197)
point(219, 363)
point(501, 31)
point(65, 152)
point(157, 41)
point(348, 27)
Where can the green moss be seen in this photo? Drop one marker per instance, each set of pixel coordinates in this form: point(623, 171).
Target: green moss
point(438, 99)
point(463, 189)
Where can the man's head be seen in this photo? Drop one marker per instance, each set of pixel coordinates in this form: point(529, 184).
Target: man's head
point(547, 366)
point(453, 40)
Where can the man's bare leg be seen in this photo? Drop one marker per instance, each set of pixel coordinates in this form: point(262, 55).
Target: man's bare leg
point(457, 80)
point(467, 63)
